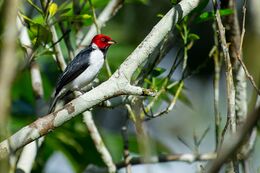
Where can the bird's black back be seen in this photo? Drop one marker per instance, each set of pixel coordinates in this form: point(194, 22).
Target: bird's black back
point(74, 68)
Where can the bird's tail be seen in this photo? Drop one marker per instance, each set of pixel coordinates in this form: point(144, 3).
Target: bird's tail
point(55, 99)
point(58, 96)
point(53, 103)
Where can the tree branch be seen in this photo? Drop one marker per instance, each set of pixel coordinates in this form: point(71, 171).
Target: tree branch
point(106, 156)
point(117, 84)
point(231, 117)
point(186, 157)
point(127, 157)
point(232, 144)
point(59, 56)
point(29, 152)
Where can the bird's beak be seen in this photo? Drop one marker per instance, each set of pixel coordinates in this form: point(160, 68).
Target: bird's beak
point(111, 42)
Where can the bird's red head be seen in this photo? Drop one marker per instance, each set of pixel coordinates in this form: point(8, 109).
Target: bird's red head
point(102, 41)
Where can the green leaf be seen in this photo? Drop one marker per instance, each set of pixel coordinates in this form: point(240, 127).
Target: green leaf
point(137, 1)
point(160, 15)
point(173, 88)
point(157, 83)
point(174, 2)
point(39, 20)
point(158, 71)
point(193, 37)
point(82, 17)
point(27, 19)
point(147, 81)
point(178, 27)
point(205, 16)
point(165, 97)
point(184, 99)
point(225, 12)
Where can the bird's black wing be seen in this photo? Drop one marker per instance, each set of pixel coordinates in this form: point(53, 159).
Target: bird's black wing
point(74, 68)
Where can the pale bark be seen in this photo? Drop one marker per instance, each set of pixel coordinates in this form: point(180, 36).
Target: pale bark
point(117, 84)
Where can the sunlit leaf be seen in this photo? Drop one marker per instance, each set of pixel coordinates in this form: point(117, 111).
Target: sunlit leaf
point(53, 9)
point(86, 16)
point(160, 15)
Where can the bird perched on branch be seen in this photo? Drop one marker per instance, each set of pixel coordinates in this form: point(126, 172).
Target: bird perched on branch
point(83, 68)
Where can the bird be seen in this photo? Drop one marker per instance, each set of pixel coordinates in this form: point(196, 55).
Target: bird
point(83, 69)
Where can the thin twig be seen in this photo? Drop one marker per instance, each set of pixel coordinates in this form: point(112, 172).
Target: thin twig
point(99, 144)
point(231, 116)
point(184, 142)
point(185, 157)
point(98, 28)
point(243, 28)
point(165, 87)
point(172, 103)
point(143, 138)
point(67, 40)
point(156, 58)
point(109, 11)
point(94, 16)
point(216, 95)
point(217, 68)
point(131, 114)
point(205, 132)
point(127, 157)
point(229, 75)
point(29, 152)
point(231, 22)
point(234, 142)
point(249, 76)
point(109, 72)
point(57, 48)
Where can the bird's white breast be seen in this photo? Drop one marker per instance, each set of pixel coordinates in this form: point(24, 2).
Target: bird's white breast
point(96, 62)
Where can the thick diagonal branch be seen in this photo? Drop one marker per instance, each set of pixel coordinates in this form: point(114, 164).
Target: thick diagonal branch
point(234, 142)
point(117, 84)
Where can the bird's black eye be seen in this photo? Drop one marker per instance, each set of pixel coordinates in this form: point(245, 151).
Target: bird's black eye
point(103, 39)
